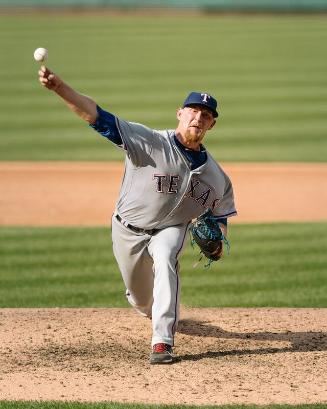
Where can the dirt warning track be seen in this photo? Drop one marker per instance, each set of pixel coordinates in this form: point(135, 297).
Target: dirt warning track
point(84, 193)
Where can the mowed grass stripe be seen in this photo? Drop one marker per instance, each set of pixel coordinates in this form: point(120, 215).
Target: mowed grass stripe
point(87, 145)
point(268, 73)
point(235, 109)
point(270, 265)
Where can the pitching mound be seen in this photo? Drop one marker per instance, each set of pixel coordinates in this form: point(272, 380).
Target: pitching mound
point(226, 356)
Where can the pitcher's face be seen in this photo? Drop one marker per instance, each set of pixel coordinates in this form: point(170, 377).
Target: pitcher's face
point(194, 122)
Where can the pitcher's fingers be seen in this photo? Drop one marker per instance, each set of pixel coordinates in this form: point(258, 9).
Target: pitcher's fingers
point(45, 71)
point(43, 81)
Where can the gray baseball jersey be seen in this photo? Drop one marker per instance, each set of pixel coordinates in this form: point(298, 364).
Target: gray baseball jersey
point(159, 189)
point(160, 194)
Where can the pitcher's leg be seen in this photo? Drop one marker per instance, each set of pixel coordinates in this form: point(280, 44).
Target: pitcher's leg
point(135, 265)
point(165, 248)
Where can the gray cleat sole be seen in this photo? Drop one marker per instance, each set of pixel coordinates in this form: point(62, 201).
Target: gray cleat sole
point(157, 359)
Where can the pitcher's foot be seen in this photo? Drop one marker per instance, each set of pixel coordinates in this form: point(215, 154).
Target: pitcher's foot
point(162, 354)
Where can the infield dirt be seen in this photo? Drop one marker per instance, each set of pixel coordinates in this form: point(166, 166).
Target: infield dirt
point(84, 194)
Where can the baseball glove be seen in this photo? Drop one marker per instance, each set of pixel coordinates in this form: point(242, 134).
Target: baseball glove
point(207, 234)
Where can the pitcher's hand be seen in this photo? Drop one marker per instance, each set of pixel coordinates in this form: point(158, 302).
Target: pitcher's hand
point(49, 79)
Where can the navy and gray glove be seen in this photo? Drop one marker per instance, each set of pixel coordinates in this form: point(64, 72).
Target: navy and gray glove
point(207, 234)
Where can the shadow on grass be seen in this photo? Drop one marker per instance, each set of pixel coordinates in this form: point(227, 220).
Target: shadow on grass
point(300, 341)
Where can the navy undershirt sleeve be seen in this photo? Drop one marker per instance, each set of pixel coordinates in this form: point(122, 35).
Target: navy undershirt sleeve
point(106, 126)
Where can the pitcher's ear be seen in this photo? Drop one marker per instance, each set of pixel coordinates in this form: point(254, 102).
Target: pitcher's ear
point(213, 124)
point(179, 113)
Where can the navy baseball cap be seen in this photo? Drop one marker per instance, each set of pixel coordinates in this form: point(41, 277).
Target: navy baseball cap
point(201, 98)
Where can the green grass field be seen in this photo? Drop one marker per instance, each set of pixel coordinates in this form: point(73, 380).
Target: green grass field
point(268, 72)
point(270, 265)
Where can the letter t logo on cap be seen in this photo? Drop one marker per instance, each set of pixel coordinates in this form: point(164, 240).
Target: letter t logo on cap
point(205, 97)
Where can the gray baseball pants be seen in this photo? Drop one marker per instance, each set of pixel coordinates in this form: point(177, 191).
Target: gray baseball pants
point(149, 268)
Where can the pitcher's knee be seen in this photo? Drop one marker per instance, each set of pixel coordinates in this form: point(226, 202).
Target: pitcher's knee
point(145, 309)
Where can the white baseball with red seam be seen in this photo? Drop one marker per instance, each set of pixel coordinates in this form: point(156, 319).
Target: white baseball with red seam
point(40, 54)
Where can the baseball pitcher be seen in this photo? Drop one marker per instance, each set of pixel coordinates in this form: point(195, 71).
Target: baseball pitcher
point(170, 179)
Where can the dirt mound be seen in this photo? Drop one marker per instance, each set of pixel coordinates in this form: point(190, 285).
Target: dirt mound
point(225, 356)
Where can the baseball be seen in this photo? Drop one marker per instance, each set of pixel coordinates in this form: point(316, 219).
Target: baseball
point(40, 54)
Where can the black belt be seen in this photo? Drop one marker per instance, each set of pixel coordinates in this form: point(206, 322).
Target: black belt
point(134, 228)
